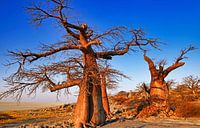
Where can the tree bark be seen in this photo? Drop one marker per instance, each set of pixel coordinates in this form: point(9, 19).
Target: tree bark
point(105, 96)
point(158, 100)
point(159, 89)
point(159, 92)
point(89, 107)
point(82, 109)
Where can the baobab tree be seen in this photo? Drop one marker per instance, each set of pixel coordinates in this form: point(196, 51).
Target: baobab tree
point(193, 83)
point(189, 88)
point(159, 88)
point(79, 40)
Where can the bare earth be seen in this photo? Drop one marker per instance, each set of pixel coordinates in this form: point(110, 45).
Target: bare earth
point(155, 123)
point(9, 106)
point(36, 115)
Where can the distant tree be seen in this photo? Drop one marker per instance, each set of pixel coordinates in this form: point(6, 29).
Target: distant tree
point(79, 41)
point(189, 88)
point(192, 83)
point(159, 89)
point(171, 84)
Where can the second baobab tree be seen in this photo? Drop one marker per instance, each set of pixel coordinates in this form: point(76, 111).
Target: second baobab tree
point(159, 88)
point(79, 40)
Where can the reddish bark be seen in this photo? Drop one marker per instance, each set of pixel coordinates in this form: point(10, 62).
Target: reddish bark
point(105, 96)
point(89, 100)
point(159, 89)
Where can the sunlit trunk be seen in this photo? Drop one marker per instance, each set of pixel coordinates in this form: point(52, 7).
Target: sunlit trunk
point(105, 96)
point(159, 93)
point(158, 99)
point(90, 100)
point(81, 113)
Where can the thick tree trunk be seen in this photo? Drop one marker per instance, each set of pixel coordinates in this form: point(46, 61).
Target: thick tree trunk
point(81, 113)
point(98, 115)
point(105, 96)
point(159, 89)
point(89, 108)
point(159, 94)
point(158, 100)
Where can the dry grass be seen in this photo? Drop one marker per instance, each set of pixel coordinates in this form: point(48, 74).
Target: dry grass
point(42, 114)
point(13, 106)
point(185, 104)
point(188, 109)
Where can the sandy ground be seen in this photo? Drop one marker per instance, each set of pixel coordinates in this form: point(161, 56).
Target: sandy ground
point(155, 123)
point(166, 123)
point(13, 115)
point(10, 106)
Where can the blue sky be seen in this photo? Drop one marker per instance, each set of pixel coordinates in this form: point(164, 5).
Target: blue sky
point(174, 22)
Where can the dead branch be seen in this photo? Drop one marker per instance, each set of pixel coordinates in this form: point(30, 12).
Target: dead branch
point(66, 84)
point(138, 40)
point(184, 52)
point(181, 57)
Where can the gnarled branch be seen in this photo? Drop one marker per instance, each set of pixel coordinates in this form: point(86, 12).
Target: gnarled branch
point(138, 40)
point(30, 56)
point(152, 67)
point(177, 62)
point(184, 52)
point(66, 84)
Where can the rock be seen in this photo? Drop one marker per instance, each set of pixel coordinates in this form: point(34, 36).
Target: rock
point(117, 112)
point(130, 117)
point(171, 113)
point(122, 119)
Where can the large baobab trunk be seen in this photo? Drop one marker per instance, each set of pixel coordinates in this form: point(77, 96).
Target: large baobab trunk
point(82, 109)
point(158, 99)
point(89, 108)
point(159, 89)
point(159, 92)
point(105, 96)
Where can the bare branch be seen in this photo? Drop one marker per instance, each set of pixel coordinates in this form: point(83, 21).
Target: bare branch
point(35, 56)
point(111, 33)
point(94, 42)
point(184, 52)
point(109, 54)
point(137, 40)
point(161, 63)
point(112, 76)
point(66, 84)
point(181, 57)
point(39, 14)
